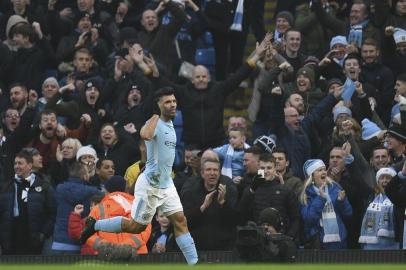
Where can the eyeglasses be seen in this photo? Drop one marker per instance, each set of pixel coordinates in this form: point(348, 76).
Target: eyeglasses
point(13, 115)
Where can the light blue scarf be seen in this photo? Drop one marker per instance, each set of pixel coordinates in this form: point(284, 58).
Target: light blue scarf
point(349, 89)
point(378, 221)
point(238, 16)
point(227, 164)
point(355, 35)
point(328, 220)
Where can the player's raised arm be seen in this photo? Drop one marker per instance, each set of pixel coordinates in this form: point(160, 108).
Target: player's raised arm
point(148, 130)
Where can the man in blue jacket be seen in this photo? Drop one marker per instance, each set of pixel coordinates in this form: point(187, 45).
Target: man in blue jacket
point(68, 194)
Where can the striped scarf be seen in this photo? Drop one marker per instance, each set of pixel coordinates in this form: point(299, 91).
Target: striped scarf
point(378, 221)
point(227, 164)
point(355, 35)
point(238, 16)
point(328, 220)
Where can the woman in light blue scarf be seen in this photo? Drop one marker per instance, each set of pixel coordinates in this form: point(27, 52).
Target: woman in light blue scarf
point(378, 230)
point(324, 205)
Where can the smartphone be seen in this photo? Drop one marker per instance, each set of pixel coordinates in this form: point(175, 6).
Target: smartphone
point(88, 35)
point(217, 186)
point(261, 173)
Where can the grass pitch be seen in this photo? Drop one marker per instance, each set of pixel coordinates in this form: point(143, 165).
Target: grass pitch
point(208, 267)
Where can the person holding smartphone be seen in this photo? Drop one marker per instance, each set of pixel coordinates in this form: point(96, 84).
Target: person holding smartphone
point(268, 190)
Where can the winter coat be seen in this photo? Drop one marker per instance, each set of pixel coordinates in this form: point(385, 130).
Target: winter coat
point(123, 152)
point(163, 35)
point(272, 194)
point(203, 110)
point(312, 213)
point(396, 192)
point(41, 214)
point(213, 229)
point(68, 194)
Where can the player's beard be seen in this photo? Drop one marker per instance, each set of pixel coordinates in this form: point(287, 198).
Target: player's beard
point(169, 116)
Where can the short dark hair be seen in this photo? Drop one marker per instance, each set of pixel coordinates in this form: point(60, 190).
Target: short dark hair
point(31, 151)
point(47, 112)
point(108, 124)
point(255, 150)
point(401, 77)
point(83, 50)
point(25, 30)
point(100, 162)
point(97, 198)
point(379, 147)
point(285, 36)
point(18, 84)
point(191, 147)
point(353, 56)
point(280, 150)
point(4, 113)
point(267, 157)
point(164, 91)
point(77, 169)
point(25, 155)
point(371, 42)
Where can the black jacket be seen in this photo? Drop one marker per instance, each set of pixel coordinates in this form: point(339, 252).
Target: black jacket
point(123, 153)
point(29, 65)
point(41, 214)
point(203, 110)
point(396, 192)
point(214, 229)
point(272, 194)
point(14, 142)
point(163, 36)
point(382, 80)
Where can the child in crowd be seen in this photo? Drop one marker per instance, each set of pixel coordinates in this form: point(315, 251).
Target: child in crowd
point(231, 155)
point(162, 237)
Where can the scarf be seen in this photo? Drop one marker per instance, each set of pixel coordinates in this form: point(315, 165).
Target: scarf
point(239, 13)
point(378, 221)
point(328, 220)
point(340, 62)
point(349, 89)
point(25, 185)
point(227, 164)
point(355, 35)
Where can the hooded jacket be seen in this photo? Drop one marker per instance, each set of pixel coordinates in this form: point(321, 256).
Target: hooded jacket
point(68, 194)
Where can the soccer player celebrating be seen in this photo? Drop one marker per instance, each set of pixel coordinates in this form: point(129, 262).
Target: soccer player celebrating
point(154, 187)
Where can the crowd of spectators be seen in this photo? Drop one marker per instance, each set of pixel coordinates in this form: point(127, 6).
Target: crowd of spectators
point(326, 148)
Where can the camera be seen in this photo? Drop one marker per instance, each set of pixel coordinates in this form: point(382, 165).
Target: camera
point(254, 244)
point(261, 173)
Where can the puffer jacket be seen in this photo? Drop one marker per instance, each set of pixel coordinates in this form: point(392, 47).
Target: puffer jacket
point(312, 214)
point(68, 194)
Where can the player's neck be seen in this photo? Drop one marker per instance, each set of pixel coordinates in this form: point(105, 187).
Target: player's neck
point(165, 118)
